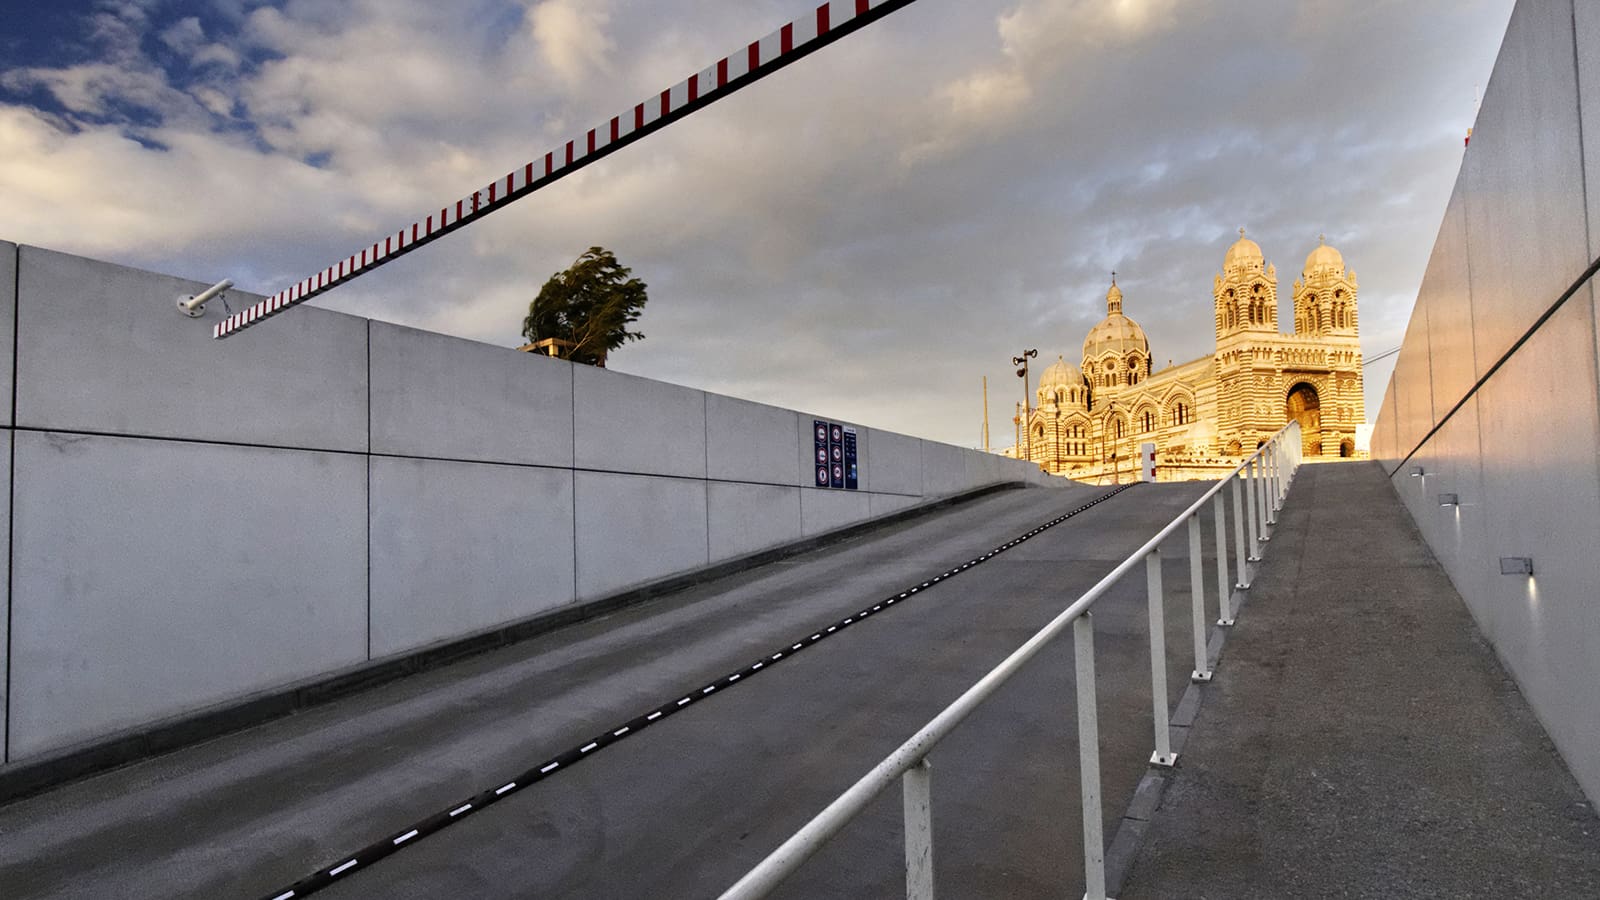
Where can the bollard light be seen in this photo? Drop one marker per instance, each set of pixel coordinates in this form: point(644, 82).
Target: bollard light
point(1516, 565)
point(1449, 500)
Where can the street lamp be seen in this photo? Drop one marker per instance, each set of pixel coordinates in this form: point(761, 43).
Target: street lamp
point(1058, 439)
point(1026, 398)
point(1111, 422)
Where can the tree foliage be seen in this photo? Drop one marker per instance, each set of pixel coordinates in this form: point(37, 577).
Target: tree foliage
point(591, 304)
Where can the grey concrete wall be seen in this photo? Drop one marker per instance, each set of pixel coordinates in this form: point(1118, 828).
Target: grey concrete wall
point(195, 521)
point(1523, 452)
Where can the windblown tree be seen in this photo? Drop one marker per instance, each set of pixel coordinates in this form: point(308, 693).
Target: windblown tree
point(588, 307)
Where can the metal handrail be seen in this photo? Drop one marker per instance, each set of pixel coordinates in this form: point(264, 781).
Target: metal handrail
point(1267, 471)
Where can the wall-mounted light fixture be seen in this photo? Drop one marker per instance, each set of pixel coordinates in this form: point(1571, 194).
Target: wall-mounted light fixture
point(1516, 565)
point(195, 306)
point(1449, 500)
point(1416, 472)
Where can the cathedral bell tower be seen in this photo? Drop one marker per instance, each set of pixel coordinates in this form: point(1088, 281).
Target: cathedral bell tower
point(1246, 292)
point(1325, 300)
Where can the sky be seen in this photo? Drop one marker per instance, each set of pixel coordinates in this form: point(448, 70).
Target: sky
point(864, 235)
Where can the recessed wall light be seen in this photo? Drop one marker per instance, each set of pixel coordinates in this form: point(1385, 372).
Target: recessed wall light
point(1449, 500)
point(1516, 565)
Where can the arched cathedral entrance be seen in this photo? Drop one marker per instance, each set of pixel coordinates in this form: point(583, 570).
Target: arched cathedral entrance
point(1306, 408)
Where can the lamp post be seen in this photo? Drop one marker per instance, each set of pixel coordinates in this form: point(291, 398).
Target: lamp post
point(1111, 422)
point(1058, 439)
point(1027, 433)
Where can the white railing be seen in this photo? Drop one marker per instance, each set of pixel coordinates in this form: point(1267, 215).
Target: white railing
point(1259, 486)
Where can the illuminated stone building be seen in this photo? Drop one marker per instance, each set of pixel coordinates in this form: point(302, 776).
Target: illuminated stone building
point(1203, 415)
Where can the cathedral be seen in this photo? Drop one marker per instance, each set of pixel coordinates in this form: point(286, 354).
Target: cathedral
point(1205, 414)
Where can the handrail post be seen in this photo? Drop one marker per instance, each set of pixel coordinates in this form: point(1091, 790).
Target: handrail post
point(1158, 661)
point(918, 786)
point(1272, 483)
point(1094, 844)
point(1262, 536)
point(1197, 602)
point(1283, 470)
point(1255, 508)
point(1220, 533)
point(1239, 554)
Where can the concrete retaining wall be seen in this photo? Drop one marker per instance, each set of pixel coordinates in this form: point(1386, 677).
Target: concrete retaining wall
point(194, 521)
point(1523, 452)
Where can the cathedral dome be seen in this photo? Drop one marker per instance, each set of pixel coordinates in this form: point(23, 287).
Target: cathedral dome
point(1244, 252)
point(1324, 258)
point(1116, 333)
point(1059, 374)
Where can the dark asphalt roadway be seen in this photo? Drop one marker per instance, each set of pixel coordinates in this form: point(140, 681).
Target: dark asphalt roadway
point(685, 807)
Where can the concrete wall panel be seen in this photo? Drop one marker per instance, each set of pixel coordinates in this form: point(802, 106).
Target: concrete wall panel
point(462, 547)
point(1522, 178)
point(633, 529)
point(1413, 382)
point(896, 463)
point(1463, 543)
point(444, 397)
point(1384, 441)
point(944, 469)
point(624, 423)
point(5, 595)
point(1542, 494)
point(1446, 290)
point(102, 349)
point(152, 578)
point(8, 324)
point(751, 442)
point(884, 504)
point(825, 510)
point(744, 518)
point(1586, 19)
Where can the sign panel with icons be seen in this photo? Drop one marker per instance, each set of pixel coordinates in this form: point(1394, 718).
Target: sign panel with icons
point(834, 456)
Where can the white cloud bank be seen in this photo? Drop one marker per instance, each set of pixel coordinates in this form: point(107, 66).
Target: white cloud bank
point(864, 234)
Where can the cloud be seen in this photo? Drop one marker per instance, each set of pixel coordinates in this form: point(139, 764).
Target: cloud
point(571, 35)
point(864, 234)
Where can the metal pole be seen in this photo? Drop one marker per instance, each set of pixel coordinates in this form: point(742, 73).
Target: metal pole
point(1261, 504)
point(1240, 554)
point(986, 414)
point(1254, 507)
point(1197, 602)
point(1272, 482)
point(1094, 844)
point(1220, 529)
point(918, 785)
point(1158, 661)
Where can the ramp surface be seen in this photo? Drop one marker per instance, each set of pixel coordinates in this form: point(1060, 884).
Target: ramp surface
point(685, 807)
point(1360, 739)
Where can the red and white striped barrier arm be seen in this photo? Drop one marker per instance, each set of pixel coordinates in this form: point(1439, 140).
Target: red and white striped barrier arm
point(830, 22)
